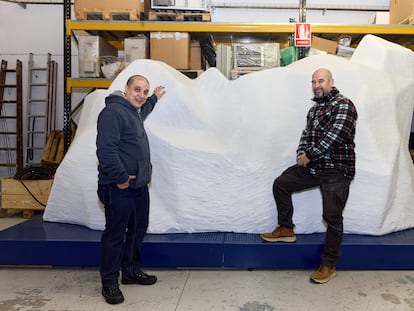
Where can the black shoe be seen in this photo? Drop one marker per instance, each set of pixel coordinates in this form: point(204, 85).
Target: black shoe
point(112, 294)
point(141, 278)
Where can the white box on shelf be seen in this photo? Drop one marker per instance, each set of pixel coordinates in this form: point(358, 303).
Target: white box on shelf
point(136, 48)
point(201, 5)
point(224, 59)
point(92, 50)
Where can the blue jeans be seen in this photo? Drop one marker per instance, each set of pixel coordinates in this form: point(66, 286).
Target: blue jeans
point(126, 216)
point(334, 189)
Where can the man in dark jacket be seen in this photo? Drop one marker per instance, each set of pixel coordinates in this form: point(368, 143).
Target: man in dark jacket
point(124, 173)
point(325, 158)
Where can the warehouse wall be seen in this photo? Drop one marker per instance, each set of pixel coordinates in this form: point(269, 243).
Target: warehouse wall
point(38, 29)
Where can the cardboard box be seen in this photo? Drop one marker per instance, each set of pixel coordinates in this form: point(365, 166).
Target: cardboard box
point(82, 7)
point(92, 50)
point(196, 58)
point(401, 11)
point(136, 48)
point(172, 48)
point(324, 44)
point(15, 196)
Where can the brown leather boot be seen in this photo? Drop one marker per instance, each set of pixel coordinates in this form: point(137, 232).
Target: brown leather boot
point(280, 234)
point(323, 274)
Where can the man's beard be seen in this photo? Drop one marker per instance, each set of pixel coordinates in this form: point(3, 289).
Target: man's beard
point(319, 92)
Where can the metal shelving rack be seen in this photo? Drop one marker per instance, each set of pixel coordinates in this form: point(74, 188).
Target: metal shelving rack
point(67, 69)
point(402, 34)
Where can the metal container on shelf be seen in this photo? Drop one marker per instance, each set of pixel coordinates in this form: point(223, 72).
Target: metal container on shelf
point(163, 2)
point(256, 56)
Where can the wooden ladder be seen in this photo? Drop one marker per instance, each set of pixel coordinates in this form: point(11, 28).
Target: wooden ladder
point(11, 111)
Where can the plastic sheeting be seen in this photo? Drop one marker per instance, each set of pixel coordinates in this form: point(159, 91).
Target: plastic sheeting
point(217, 145)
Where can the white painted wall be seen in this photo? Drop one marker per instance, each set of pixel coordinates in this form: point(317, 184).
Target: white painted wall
point(348, 4)
point(239, 15)
point(38, 29)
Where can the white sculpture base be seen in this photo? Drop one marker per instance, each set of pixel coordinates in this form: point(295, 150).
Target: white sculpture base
point(217, 145)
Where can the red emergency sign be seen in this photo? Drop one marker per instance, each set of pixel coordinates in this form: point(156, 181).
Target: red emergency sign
point(303, 34)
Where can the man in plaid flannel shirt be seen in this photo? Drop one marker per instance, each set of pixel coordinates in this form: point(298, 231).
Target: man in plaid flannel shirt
point(325, 158)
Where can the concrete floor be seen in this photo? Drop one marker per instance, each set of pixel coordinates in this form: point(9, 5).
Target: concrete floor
point(78, 289)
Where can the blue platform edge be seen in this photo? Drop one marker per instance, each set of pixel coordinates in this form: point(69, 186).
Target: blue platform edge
point(36, 242)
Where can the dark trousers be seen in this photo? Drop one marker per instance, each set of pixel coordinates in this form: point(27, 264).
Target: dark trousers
point(334, 189)
point(126, 216)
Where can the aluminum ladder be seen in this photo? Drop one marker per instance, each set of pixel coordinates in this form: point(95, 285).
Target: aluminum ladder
point(40, 107)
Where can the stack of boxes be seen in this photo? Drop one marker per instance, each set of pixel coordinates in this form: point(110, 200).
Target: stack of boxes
point(179, 51)
point(135, 8)
point(173, 48)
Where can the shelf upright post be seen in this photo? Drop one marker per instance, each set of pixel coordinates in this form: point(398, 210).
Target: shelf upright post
point(302, 19)
point(67, 104)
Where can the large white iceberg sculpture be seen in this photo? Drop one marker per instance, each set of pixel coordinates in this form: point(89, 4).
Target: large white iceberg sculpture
point(217, 145)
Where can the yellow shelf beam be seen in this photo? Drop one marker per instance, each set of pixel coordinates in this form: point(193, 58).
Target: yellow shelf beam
point(234, 28)
point(204, 27)
point(93, 83)
point(364, 29)
point(173, 26)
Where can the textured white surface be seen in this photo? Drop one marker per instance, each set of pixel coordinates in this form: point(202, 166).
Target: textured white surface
point(217, 145)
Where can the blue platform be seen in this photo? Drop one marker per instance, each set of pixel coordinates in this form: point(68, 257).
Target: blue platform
point(35, 242)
